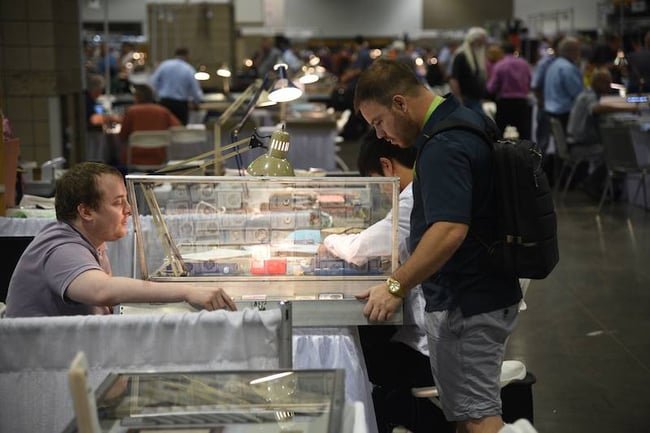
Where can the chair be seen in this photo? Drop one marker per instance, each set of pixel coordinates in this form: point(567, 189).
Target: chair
point(148, 142)
point(37, 352)
point(187, 141)
point(570, 161)
point(516, 391)
point(340, 124)
point(510, 370)
point(15, 246)
point(627, 151)
point(11, 155)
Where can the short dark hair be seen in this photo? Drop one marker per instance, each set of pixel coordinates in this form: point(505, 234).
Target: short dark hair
point(95, 82)
point(382, 80)
point(282, 42)
point(182, 52)
point(144, 93)
point(78, 185)
point(373, 148)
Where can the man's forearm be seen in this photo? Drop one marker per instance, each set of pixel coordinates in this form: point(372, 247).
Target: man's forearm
point(437, 245)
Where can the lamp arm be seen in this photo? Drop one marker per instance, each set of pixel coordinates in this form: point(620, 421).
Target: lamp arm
point(214, 156)
point(251, 104)
point(254, 89)
point(232, 108)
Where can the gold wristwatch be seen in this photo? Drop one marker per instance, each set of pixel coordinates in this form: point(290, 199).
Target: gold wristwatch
point(394, 287)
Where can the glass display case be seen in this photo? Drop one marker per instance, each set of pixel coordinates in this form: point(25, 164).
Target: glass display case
point(259, 238)
point(220, 401)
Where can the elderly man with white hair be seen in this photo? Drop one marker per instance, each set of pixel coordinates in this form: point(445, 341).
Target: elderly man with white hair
point(468, 76)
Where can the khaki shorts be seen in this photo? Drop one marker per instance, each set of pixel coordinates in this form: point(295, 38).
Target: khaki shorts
point(466, 355)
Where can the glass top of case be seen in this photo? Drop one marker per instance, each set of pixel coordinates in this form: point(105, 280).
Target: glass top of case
point(224, 402)
point(232, 227)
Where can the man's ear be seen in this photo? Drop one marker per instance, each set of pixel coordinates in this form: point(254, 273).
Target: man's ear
point(84, 211)
point(386, 166)
point(400, 102)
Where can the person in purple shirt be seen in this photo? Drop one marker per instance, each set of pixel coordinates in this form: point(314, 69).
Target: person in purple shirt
point(509, 83)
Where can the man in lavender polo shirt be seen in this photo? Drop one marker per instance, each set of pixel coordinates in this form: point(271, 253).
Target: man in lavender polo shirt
point(509, 83)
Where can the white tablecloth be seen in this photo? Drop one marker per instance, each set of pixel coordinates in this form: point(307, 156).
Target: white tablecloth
point(315, 348)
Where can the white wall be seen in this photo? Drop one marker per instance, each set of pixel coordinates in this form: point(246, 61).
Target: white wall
point(373, 18)
point(127, 10)
point(553, 16)
point(332, 18)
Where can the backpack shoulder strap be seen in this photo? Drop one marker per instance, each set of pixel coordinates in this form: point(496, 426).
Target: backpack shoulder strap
point(448, 124)
point(488, 135)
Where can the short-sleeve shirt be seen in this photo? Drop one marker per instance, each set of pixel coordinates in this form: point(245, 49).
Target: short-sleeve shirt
point(174, 79)
point(453, 183)
point(56, 256)
point(562, 85)
point(539, 73)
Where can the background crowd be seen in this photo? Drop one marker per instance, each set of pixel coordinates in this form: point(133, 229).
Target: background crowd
point(519, 84)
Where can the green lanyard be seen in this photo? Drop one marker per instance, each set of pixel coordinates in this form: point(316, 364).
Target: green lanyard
point(434, 104)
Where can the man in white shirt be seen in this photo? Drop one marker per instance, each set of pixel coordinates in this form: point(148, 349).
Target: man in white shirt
point(397, 358)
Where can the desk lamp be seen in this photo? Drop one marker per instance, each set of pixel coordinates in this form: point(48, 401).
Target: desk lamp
point(274, 162)
point(283, 90)
point(202, 73)
point(309, 73)
point(224, 72)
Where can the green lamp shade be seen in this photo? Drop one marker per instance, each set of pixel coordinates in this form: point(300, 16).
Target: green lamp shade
point(274, 162)
point(267, 165)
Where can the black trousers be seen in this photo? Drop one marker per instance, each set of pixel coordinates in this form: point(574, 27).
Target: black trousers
point(551, 163)
point(178, 107)
point(394, 368)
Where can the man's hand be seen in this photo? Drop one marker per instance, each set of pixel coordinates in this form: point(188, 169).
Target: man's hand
point(210, 298)
point(381, 304)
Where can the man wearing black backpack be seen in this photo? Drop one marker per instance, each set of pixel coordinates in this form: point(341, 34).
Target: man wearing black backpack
point(471, 308)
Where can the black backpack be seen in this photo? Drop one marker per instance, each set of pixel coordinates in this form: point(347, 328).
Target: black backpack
point(526, 245)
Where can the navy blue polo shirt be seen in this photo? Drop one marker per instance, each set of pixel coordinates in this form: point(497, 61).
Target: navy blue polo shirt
point(453, 183)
